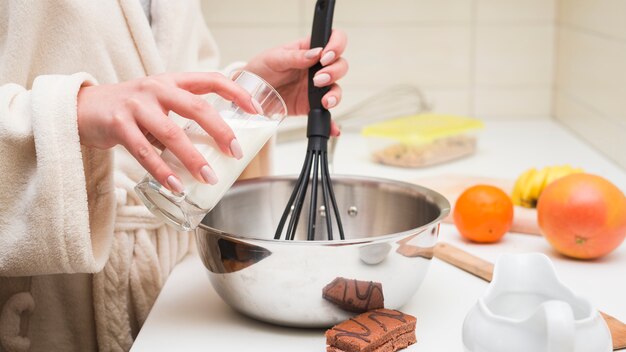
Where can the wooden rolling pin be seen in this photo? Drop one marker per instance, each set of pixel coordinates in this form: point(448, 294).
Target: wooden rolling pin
point(484, 270)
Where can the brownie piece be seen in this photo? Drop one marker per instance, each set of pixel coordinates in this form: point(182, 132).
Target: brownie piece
point(375, 331)
point(354, 295)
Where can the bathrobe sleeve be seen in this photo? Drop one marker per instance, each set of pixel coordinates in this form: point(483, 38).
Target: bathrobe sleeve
point(56, 197)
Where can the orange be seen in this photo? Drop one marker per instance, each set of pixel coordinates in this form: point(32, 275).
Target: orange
point(483, 213)
point(582, 216)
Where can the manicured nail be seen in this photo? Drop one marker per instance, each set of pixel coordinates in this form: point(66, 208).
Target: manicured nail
point(321, 79)
point(313, 53)
point(175, 184)
point(331, 102)
point(257, 106)
point(327, 58)
point(208, 175)
point(235, 148)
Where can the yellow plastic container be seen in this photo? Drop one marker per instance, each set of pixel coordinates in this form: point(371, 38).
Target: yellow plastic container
point(422, 140)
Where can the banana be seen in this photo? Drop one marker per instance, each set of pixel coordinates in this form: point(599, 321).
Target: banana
point(530, 183)
point(519, 184)
point(558, 172)
point(532, 188)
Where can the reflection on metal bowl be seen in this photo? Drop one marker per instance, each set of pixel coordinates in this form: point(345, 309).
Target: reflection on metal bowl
point(391, 228)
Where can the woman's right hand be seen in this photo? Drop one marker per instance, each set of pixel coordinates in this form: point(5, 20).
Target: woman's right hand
point(135, 115)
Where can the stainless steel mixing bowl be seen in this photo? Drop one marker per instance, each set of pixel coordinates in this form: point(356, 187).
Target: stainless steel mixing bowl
point(391, 228)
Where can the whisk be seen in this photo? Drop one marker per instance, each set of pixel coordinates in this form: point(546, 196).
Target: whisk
point(318, 132)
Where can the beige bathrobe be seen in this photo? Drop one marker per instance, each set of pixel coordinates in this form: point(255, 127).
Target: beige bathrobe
point(66, 211)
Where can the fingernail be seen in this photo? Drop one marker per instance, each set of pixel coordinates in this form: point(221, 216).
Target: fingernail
point(327, 58)
point(321, 79)
point(235, 148)
point(175, 184)
point(331, 102)
point(338, 133)
point(208, 175)
point(257, 106)
point(313, 53)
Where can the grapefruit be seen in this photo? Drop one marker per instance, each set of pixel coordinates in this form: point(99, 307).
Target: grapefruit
point(582, 216)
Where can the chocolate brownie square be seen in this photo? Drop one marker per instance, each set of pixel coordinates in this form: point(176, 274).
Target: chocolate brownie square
point(375, 331)
point(354, 295)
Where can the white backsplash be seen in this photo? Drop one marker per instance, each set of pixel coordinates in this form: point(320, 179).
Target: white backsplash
point(459, 52)
point(591, 73)
point(492, 59)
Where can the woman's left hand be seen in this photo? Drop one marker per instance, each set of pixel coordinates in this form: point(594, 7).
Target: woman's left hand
point(286, 69)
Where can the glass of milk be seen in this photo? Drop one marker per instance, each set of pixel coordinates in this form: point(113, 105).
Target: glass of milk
point(185, 210)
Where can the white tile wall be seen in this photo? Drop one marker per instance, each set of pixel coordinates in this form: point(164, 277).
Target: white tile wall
point(593, 69)
point(241, 43)
point(514, 56)
point(431, 56)
point(509, 11)
point(604, 133)
point(591, 72)
point(604, 17)
point(370, 12)
point(494, 59)
point(513, 103)
point(457, 51)
point(255, 12)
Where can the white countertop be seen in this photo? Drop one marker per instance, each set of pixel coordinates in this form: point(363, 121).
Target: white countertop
point(189, 316)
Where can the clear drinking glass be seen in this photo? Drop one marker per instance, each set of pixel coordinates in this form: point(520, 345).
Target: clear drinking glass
point(185, 210)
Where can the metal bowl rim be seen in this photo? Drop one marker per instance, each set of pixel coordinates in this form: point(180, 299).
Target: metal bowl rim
point(438, 199)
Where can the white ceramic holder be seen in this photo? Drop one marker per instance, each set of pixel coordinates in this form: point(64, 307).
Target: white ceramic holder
point(526, 308)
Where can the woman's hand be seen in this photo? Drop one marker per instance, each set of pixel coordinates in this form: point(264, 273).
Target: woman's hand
point(286, 69)
point(134, 114)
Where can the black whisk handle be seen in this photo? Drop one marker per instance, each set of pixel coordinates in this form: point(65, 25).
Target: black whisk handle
point(322, 23)
point(318, 123)
point(315, 166)
point(320, 34)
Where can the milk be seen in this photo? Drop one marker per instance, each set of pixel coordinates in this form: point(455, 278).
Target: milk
point(252, 133)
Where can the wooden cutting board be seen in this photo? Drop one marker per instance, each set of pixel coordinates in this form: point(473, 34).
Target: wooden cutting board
point(484, 270)
point(452, 185)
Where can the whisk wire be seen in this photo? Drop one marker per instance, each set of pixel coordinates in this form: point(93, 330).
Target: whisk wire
point(315, 168)
point(290, 209)
point(326, 197)
point(302, 189)
point(313, 208)
point(326, 175)
point(292, 197)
